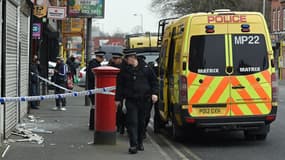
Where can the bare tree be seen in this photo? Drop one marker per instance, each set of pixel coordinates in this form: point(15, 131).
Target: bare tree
point(182, 7)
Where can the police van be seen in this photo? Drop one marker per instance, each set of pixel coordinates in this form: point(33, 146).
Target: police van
point(217, 73)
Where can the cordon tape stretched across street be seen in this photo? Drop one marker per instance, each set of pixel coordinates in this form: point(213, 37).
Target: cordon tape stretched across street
point(105, 90)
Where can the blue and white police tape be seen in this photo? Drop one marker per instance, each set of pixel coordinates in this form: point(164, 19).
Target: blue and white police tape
point(49, 82)
point(105, 90)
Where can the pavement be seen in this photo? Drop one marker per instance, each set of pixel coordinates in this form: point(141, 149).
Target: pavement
point(72, 140)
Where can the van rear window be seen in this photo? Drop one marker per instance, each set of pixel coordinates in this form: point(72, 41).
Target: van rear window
point(249, 53)
point(207, 55)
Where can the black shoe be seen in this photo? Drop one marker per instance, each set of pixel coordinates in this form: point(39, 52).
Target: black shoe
point(140, 147)
point(122, 130)
point(144, 136)
point(133, 150)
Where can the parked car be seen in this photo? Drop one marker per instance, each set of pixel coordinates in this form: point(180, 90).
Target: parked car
point(149, 57)
point(82, 77)
point(149, 54)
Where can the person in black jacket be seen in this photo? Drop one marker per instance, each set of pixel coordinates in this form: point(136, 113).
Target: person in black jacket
point(35, 70)
point(95, 62)
point(71, 66)
point(137, 84)
point(117, 61)
point(60, 74)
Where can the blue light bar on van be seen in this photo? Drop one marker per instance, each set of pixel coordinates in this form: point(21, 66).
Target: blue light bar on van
point(245, 27)
point(210, 28)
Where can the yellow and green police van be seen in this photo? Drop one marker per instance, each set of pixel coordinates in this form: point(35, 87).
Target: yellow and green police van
point(216, 72)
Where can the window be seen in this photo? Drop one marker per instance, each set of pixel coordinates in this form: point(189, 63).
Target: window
point(273, 21)
point(278, 20)
point(283, 19)
point(249, 53)
point(207, 55)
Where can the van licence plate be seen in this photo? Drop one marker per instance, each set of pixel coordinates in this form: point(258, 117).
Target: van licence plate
point(213, 111)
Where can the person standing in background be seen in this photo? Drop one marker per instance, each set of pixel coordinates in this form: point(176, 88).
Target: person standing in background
point(95, 62)
point(35, 70)
point(71, 66)
point(60, 75)
point(117, 61)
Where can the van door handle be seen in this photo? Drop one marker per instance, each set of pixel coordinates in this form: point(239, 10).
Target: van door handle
point(238, 87)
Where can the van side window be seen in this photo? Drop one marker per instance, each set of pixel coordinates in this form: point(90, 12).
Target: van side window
point(207, 55)
point(249, 53)
point(171, 53)
point(162, 57)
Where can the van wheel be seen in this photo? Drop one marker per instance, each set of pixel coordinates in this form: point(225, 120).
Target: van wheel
point(248, 136)
point(260, 134)
point(177, 133)
point(261, 137)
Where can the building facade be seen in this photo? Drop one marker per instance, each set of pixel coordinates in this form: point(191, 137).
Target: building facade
point(14, 59)
point(277, 29)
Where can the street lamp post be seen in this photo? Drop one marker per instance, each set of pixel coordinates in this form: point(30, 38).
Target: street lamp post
point(263, 7)
point(141, 15)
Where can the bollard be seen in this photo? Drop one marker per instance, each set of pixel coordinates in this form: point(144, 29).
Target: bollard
point(105, 113)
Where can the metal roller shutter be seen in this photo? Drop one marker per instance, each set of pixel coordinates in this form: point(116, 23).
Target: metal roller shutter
point(11, 65)
point(1, 106)
point(24, 61)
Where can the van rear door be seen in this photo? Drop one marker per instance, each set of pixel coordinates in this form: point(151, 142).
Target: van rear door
point(208, 83)
point(251, 79)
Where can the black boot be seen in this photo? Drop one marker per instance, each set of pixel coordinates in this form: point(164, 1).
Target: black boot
point(144, 135)
point(133, 150)
point(91, 120)
point(140, 147)
point(122, 129)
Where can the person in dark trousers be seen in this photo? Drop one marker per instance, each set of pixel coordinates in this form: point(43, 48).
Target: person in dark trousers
point(71, 66)
point(95, 62)
point(137, 84)
point(60, 77)
point(155, 105)
point(34, 81)
point(116, 61)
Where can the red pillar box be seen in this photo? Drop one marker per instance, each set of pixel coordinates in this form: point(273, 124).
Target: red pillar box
point(105, 114)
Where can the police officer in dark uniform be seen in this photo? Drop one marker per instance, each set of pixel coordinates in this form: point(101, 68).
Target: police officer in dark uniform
point(137, 84)
point(117, 61)
point(95, 62)
point(154, 66)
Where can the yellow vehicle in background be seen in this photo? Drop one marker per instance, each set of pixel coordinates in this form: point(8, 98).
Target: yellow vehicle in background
point(141, 40)
point(145, 44)
point(217, 73)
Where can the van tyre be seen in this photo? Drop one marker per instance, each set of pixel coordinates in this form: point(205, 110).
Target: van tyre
point(261, 137)
point(248, 136)
point(260, 134)
point(177, 132)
